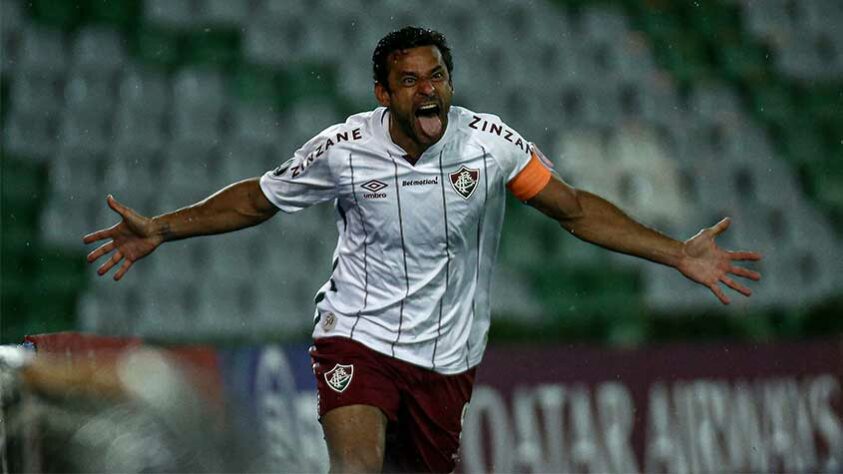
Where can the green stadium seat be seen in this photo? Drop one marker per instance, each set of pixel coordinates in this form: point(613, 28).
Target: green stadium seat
point(18, 248)
point(46, 312)
point(715, 21)
point(832, 130)
point(254, 122)
point(62, 15)
point(22, 183)
point(628, 332)
point(199, 100)
point(802, 142)
point(158, 46)
point(308, 80)
point(216, 46)
point(601, 24)
point(825, 101)
point(685, 56)
point(4, 99)
point(98, 51)
point(59, 271)
point(773, 103)
point(255, 83)
point(519, 246)
point(42, 50)
point(743, 61)
point(226, 13)
point(123, 14)
point(827, 181)
point(12, 23)
point(661, 24)
point(37, 93)
point(179, 15)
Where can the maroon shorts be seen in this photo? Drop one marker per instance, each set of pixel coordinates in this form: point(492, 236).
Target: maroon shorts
point(424, 408)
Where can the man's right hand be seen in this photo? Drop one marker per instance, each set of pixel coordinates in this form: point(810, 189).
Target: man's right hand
point(131, 239)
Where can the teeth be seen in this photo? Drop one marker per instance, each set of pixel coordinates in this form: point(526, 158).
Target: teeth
point(427, 107)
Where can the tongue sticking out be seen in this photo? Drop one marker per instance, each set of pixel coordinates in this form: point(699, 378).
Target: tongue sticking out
point(430, 125)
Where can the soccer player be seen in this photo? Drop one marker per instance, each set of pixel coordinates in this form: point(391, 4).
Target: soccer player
point(419, 188)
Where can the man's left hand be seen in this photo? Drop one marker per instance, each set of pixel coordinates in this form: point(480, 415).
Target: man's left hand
point(709, 265)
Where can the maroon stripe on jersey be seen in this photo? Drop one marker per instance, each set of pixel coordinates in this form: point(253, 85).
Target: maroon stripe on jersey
point(479, 248)
point(404, 252)
point(447, 258)
point(365, 249)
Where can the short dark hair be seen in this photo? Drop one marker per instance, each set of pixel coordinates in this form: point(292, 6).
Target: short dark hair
point(406, 38)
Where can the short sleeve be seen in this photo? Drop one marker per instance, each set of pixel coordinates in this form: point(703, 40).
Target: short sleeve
point(532, 178)
point(303, 180)
point(524, 167)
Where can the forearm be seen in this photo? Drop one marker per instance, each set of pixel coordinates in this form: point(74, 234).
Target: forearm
point(234, 207)
point(602, 223)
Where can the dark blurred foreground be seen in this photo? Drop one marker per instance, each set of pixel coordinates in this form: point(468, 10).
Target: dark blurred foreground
point(88, 404)
point(93, 404)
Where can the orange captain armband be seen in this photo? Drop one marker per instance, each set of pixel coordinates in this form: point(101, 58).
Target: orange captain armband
point(531, 180)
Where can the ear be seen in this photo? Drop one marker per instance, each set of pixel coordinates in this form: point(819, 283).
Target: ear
point(382, 94)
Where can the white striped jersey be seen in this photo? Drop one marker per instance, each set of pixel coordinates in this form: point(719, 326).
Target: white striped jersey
point(413, 264)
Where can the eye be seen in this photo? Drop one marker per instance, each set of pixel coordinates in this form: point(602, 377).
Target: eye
point(408, 81)
point(438, 76)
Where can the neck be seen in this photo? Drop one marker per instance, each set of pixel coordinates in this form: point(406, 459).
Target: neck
point(401, 138)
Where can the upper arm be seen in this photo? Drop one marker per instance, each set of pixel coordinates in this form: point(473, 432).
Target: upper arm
point(537, 185)
point(307, 178)
point(558, 200)
point(260, 203)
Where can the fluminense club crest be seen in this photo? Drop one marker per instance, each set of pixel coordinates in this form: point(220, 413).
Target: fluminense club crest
point(339, 377)
point(464, 181)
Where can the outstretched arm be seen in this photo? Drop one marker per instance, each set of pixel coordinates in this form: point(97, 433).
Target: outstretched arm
point(593, 219)
point(237, 206)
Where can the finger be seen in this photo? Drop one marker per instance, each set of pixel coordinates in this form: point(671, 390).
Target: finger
point(127, 264)
point(721, 226)
point(116, 206)
point(99, 235)
point(102, 250)
point(125, 212)
point(745, 256)
point(114, 260)
point(736, 286)
point(715, 288)
point(743, 272)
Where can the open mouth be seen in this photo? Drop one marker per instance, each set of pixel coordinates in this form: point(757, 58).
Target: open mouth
point(429, 120)
point(428, 110)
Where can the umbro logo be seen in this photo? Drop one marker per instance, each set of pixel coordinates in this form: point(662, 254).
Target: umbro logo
point(374, 187)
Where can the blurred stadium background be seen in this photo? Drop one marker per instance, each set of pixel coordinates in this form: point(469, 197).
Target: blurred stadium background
point(680, 112)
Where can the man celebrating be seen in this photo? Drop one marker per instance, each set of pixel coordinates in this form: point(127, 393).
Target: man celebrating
point(419, 187)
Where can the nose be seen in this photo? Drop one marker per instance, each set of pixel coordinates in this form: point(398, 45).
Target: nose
point(426, 87)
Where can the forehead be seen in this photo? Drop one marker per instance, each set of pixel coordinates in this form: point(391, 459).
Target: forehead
point(420, 59)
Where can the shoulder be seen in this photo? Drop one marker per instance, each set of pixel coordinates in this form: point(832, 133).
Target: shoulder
point(355, 130)
point(489, 131)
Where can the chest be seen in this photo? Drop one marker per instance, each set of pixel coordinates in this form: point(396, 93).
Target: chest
point(443, 192)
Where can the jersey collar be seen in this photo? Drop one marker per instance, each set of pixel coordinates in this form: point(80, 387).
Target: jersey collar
point(382, 124)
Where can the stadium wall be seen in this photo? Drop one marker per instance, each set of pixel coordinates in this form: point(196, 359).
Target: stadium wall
point(672, 408)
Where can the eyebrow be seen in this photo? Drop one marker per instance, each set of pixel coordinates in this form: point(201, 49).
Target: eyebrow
point(412, 73)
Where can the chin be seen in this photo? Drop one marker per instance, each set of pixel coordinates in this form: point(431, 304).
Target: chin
point(423, 139)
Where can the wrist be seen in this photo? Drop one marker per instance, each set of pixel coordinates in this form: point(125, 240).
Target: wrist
point(160, 230)
point(681, 257)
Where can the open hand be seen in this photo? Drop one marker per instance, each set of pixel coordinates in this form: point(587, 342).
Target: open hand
point(707, 264)
point(131, 240)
